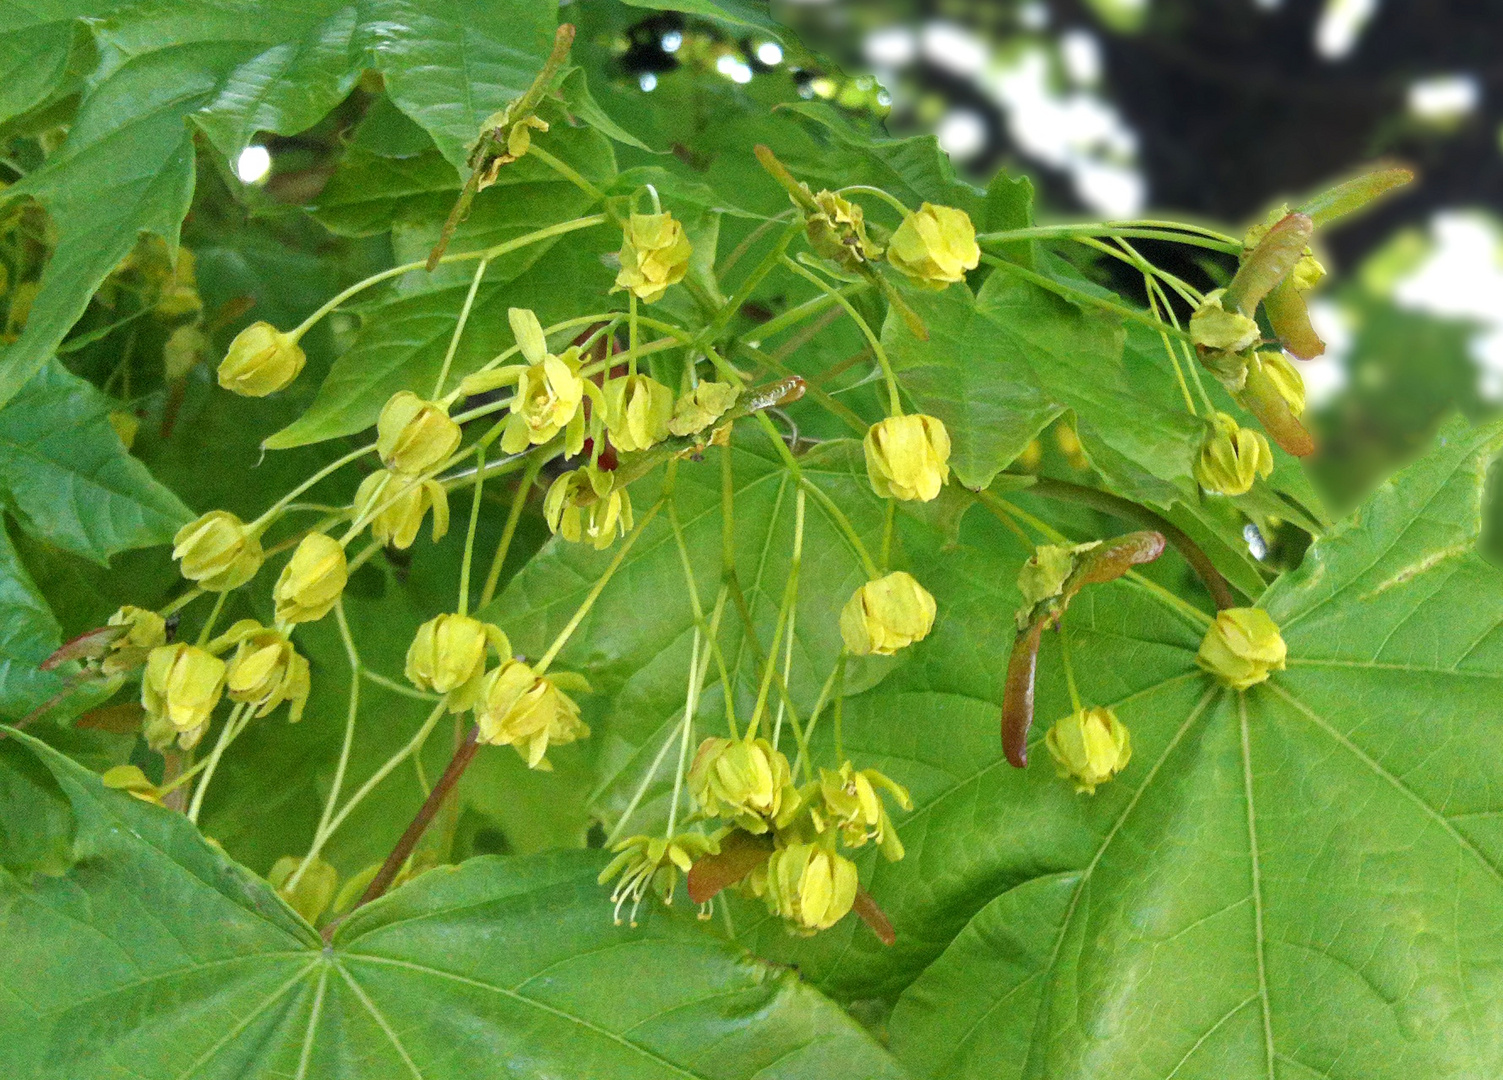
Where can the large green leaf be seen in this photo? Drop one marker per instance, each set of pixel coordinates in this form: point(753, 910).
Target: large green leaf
point(158, 956)
point(1298, 880)
point(66, 476)
point(28, 635)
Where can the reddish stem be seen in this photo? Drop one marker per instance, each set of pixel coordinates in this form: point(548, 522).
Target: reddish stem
point(398, 857)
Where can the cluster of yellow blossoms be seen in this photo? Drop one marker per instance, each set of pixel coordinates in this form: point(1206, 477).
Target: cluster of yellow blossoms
point(795, 833)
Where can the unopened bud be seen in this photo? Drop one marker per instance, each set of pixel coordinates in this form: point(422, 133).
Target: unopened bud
point(1090, 746)
point(181, 686)
point(637, 411)
point(448, 654)
point(413, 435)
point(218, 551)
point(742, 779)
point(810, 886)
point(1242, 647)
point(1232, 457)
point(935, 246)
point(146, 631)
point(654, 255)
point(907, 457)
point(886, 615)
point(261, 360)
point(312, 580)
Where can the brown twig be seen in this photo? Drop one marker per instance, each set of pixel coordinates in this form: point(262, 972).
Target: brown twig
point(398, 857)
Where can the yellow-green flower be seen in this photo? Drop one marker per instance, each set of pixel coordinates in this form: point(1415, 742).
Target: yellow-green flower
point(1213, 327)
point(146, 630)
point(654, 861)
point(549, 391)
point(265, 669)
point(518, 707)
point(1232, 457)
point(311, 581)
point(585, 504)
point(837, 230)
point(395, 506)
point(851, 803)
point(448, 654)
point(935, 246)
point(1274, 369)
point(654, 255)
point(637, 411)
point(1242, 647)
point(810, 886)
point(261, 360)
point(218, 551)
point(701, 407)
point(182, 685)
point(742, 779)
point(413, 435)
point(1091, 746)
point(886, 615)
point(907, 457)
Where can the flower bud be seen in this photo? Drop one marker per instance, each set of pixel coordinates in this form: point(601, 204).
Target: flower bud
point(1213, 327)
point(314, 890)
point(886, 615)
point(1232, 457)
point(265, 669)
point(549, 390)
point(907, 457)
point(1242, 648)
point(701, 407)
point(261, 361)
point(146, 630)
point(654, 255)
point(518, 707)
point(1274, 369)
point(810, 886)
point(935, 246)
point(448, 654)
point(311, 581)
point(218, 551)
point(182, 685)
point(742, 779)
point(585, 504)
point(182, 351)
point(851, 803)
point(395, 506)
point(413, 435)
point(179, 295)
point(1091, 746)
point(637, 411)
point(837, 231)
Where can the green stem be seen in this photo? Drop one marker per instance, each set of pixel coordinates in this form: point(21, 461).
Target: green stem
point(790, 602)
point(840, 521)
point(208, 627)
point(887, 197)
point(396, 687)
point(631, 332)
point(566, 171)
point(1064, 651)
point(594, 594)
point(894, 401)
point(514, 516)
point(751, 238)
point(889, 520)
point(851, 419)
point(226, 736)
point(469, 538)
point(691, 702)
point(464, 317)
point(1080, 296)
point(1193, 236)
